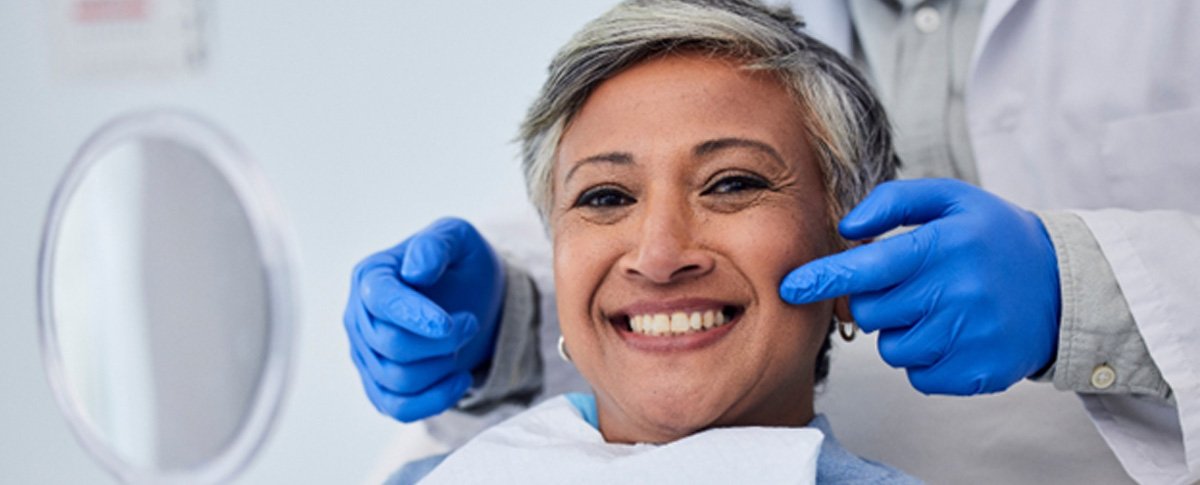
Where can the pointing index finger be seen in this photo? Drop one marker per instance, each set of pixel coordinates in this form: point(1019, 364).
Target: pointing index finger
point(870, 267)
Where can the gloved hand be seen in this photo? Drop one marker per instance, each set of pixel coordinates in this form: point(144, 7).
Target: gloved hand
point(421, 316)
point(968, 302)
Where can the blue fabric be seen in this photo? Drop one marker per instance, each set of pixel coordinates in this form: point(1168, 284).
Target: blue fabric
point(835, 465)
point(414, 471)
point(586, 405)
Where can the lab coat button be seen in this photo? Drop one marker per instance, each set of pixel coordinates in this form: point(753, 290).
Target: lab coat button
point(1103, 376)
point(927, 19)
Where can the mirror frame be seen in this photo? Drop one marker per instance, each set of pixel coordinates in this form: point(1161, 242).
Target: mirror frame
point(272, 237)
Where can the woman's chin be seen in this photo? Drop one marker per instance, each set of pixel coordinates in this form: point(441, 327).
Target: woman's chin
point(664, 417)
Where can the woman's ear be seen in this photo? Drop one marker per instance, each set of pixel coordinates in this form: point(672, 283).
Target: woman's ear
point(841, 308)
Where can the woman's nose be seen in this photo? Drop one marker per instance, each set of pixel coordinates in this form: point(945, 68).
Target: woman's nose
point(667, 249)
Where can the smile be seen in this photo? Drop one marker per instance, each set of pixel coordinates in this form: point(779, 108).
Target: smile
point(675, 326)
point(680, 322)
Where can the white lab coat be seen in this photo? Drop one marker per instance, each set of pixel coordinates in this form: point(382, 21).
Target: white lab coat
point(1086, 104)
point(1092, 106)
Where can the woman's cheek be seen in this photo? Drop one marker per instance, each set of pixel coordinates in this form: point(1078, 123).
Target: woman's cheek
point(575, 269)
point(771, 239)
point(578, 272)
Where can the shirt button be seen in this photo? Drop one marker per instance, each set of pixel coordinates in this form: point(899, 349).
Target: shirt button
point(927, 19)
point(1103, 376)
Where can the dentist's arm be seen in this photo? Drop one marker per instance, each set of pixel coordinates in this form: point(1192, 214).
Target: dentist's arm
point(985, 293)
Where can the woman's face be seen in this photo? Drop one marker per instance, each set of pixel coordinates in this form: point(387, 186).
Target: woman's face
point(684, 190)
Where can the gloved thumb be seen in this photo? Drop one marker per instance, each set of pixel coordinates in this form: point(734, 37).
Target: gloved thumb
point(433, 250)
point(903, 203)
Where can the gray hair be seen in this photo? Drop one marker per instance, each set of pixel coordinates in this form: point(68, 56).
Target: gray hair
point(851, 135)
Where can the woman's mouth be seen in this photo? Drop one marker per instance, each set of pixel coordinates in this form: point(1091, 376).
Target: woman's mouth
point(676, 323)
point(673, 325)
point(676, 326)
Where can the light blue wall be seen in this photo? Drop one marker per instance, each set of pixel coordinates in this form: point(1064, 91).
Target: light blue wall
point(369, 118)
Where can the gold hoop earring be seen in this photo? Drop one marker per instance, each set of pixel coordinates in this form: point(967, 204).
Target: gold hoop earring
point(562, 349)
point(848, 330)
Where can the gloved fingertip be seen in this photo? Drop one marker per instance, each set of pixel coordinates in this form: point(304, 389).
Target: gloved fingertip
point(423, 262)
point(797, 287)
point(399, 310)
point(436, 325)
point(858, 223)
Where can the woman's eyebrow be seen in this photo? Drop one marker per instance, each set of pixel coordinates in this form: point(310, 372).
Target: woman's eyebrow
point(619, 158)
point(716, 145)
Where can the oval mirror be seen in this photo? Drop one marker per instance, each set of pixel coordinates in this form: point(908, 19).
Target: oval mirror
point(165, 300)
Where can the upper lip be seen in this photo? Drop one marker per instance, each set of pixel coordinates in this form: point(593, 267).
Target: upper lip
point(685, 305)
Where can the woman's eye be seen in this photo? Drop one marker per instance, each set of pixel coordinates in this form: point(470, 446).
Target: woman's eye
point(736, 183)
point(603, 197)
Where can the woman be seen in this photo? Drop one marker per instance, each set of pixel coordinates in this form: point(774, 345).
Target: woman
point(684, 155)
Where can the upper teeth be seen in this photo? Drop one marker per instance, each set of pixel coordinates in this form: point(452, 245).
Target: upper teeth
point(676, 323)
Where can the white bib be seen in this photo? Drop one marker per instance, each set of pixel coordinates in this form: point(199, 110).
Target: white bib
point(552, 443)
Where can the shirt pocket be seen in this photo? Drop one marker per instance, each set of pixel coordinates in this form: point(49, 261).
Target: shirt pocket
point(1153, 161)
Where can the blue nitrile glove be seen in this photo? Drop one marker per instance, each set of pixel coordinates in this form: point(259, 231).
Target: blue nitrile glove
point(968, 302)
point(421, 316)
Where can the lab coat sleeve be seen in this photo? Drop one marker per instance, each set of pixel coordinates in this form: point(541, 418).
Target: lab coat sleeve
point(1096, 327)
point(1155, 258)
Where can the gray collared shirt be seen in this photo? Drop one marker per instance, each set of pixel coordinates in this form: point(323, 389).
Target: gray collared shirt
point(918, 55)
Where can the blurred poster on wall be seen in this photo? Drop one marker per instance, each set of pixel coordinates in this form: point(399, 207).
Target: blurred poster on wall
point(127, 39)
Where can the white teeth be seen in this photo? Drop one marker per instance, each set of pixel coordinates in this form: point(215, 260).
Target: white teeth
point(679, 322)
point(676, 323)
point(662, 324)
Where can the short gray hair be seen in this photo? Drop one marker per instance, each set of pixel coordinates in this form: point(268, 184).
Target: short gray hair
point(851, 135)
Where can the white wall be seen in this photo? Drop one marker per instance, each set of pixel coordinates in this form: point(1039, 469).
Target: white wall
point(370, 119)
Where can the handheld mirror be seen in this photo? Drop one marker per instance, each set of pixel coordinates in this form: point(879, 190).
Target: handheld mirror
point(165, 300)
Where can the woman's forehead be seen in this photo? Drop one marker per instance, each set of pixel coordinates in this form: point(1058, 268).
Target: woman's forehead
point(683, 102)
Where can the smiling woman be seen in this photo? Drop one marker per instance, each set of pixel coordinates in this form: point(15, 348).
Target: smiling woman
point(716, 197)
point(684, 155)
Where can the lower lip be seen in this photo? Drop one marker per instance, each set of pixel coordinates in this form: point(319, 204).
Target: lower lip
point(677, 343)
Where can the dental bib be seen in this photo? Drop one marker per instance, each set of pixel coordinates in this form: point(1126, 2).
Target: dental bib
point(552, 443)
